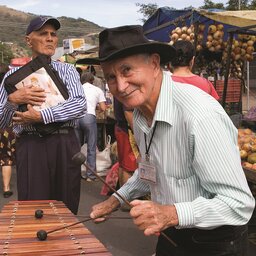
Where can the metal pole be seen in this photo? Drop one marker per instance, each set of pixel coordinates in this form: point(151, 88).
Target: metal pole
point(231, 36)
point(248, 85)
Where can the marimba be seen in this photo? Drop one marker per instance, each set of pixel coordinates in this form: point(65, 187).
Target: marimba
point(18, 228)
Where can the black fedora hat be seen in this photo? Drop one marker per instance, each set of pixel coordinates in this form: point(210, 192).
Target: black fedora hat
point(124, 41)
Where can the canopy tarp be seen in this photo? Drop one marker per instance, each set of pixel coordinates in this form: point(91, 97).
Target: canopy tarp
point(234, 18)
point(164, 20)
point(160, 25)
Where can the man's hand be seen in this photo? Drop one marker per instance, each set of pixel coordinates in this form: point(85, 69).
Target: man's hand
point(104, 208)
point(28, 117)
point(28, 95)
point(153, 217)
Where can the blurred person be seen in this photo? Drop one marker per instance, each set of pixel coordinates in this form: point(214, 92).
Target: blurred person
point(87, 125)
point(45, 170)
point(97, 81)
point(7, 158)
point(189, 161)
point(182, 64)
point(7, 155)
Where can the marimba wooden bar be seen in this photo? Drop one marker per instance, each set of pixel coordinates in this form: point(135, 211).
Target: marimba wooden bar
point(19, 226)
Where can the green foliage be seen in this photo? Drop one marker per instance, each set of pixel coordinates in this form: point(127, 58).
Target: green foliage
point(234, 5)
point(5, 54)
point(208, 4)
point(252, 5)
point(147, 10)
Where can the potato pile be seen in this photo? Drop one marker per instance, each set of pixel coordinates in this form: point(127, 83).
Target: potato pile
point(247, 147)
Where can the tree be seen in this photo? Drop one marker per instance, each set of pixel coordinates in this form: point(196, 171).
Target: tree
point(234, 5)
point(5, 53)
point(147, 10)
point(208, 4)
point(252, 6)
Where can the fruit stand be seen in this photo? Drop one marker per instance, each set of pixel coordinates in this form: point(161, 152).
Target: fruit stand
point(247, 147)
point(224, 41)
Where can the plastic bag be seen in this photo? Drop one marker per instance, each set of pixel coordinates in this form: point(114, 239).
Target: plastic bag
point(103, 159)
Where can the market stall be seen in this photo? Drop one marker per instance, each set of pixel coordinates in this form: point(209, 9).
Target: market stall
point(224, 41)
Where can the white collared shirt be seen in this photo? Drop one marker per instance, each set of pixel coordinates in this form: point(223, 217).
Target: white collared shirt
point(197, 159)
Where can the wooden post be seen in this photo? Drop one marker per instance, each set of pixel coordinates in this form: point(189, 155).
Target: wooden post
point(231, 36)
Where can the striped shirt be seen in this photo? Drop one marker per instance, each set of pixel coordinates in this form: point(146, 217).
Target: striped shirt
point(68, 111)
point(197, 160)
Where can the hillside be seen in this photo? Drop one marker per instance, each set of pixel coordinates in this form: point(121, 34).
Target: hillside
point(13, 26)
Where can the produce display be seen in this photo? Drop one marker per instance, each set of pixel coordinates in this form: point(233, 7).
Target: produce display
point(212, 45)
point(247, 147)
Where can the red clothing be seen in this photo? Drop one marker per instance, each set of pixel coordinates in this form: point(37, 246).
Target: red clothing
point(199, 82)
point(126, 156)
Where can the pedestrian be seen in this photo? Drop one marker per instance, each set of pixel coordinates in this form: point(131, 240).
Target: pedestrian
point(7, 158)
point(45, 170)
point(7, 155)
point(189, 157)
point(182, 65)
point(87, 126)
point(97, 80)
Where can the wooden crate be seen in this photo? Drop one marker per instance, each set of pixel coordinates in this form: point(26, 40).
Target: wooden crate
point(233, 90)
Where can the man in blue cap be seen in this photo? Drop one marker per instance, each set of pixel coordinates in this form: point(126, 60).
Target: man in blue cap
point(44, 163)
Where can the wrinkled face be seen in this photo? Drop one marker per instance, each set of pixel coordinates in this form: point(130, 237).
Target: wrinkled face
point(132, 79)
point(43, 41)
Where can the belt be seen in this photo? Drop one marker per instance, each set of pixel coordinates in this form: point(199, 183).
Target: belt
point(64, 130)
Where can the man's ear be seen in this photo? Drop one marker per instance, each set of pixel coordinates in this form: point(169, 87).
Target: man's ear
point(27, 39)
point(155, 58)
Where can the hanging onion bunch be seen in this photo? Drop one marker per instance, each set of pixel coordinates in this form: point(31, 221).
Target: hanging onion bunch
point(215, 35)
point(242, 48)
point(246, 45)
point(200, 37)
point(182, 33)
point(236, 68)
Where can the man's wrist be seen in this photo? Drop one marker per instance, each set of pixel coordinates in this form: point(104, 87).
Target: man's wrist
point(114, 202)
point(10, 98)
point(172, 215)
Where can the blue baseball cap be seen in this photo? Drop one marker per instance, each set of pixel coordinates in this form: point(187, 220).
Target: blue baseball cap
point(36, 23)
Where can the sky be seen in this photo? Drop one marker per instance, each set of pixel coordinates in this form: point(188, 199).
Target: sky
point(105, 13)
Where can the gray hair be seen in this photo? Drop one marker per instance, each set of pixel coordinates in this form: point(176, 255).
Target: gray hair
point(87, 77)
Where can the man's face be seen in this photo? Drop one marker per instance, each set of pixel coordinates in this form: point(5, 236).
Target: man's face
point(132, 79)
point(43, 41)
